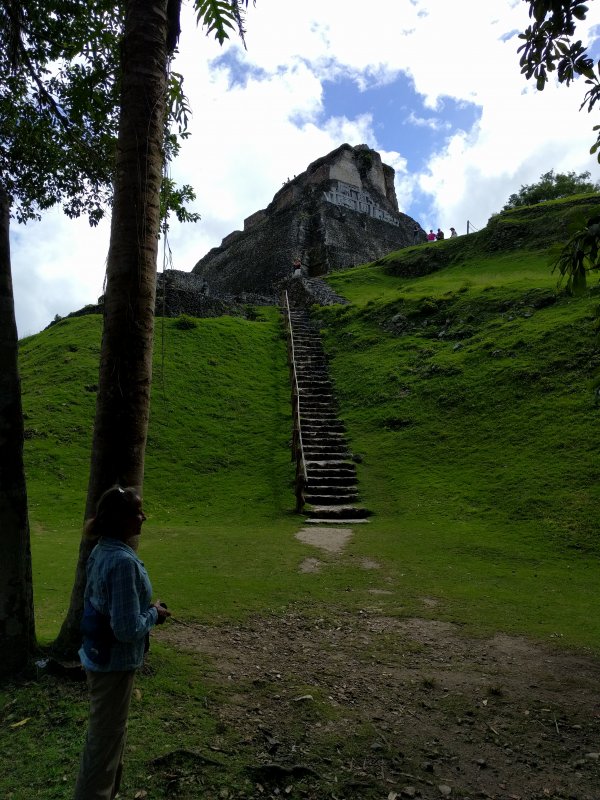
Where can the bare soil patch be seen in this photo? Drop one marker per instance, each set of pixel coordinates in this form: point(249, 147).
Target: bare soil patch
point(366, 706)
point(310, 565)
point(332, 540)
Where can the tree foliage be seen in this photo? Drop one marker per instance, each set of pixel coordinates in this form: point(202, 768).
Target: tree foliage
point(552, 186)
point(140, 195)
point(58, 121)
point(58, 105)
point(579, 256)
point(550, 46)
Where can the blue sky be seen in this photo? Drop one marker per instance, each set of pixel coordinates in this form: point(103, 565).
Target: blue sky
point(400, 116)
point(434, 86)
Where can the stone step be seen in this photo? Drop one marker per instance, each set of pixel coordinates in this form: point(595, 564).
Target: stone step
point(314, 448)
point(320, 483)
point(328, 457)
point(332, 495)
point(329, 472)
point(320, 420)
point(322, 428)
point(331, 491)
point(322, 432)
point(322, 439)
point(310, 374)
point(314, 386)
point(316, 400)
point(317, 521)
point(337, 512)
point(327, 450)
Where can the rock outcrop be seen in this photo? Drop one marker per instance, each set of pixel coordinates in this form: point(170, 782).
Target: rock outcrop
point(341, 212)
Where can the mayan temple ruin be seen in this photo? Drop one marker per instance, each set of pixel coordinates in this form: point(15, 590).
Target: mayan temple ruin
point(340, 212)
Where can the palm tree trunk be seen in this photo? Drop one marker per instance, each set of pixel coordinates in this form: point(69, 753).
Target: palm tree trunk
point(123, 401)
point(17, 630)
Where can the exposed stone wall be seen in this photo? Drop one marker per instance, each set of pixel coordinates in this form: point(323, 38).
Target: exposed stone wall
point(341, 212)
point(304, 292)
point(351, 238)
point(186, 293)
point(348, 196)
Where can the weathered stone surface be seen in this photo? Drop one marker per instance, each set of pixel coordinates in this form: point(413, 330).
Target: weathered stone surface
point(186, 293)
point(341, 212)
point(304, 292)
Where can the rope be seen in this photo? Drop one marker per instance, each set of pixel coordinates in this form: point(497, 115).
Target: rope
point(167, 263)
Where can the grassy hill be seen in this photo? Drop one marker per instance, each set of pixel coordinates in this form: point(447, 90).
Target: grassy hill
point(466, 381)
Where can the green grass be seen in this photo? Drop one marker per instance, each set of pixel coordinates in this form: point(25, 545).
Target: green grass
point(476, 422)
point(218, 466)
point(466, 383)
point(474, 416)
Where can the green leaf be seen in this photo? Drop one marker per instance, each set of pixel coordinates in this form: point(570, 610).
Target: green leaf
point(219, 17)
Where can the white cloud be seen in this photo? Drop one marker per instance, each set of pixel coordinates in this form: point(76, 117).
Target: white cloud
point(512, 144)
point(58, 266)
point(258, 118)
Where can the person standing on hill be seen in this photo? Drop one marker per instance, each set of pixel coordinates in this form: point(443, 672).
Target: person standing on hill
point(431, 236)
point(439, 235)
point(117, 617)
point(453, 233)
point(296, 268)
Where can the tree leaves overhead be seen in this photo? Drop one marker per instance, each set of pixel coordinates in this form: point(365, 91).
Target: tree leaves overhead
point(579, 256)
point(549, 47)
point(221, 17)
point(58, 104)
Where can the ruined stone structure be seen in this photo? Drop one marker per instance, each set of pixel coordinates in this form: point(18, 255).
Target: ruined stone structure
point(341, 212)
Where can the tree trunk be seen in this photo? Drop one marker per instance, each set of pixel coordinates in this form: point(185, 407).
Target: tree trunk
point(17, 630)
point(123, 401)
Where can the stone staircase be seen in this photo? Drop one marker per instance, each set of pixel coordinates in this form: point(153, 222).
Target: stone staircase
point(330, 491)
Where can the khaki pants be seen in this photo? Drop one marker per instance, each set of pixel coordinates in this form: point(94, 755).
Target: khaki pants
point(102, 759)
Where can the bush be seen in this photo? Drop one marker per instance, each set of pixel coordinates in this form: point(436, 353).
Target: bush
point(551, 186)
point(185, 323)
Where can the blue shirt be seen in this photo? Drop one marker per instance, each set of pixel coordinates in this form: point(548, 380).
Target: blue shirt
point(118, 586)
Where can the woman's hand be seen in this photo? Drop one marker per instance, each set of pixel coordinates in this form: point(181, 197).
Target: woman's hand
point(162, 610)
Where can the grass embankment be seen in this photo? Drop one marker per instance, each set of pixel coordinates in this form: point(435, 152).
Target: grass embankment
point(218, 474)
point(468, 394)
point(477, 422)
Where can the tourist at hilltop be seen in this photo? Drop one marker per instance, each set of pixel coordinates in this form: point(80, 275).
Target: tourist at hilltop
point(439, 235)
point(453, 233)
point(117, 617)
point(431, 236)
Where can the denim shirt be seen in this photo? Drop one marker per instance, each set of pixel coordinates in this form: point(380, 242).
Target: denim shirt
point(118, 586)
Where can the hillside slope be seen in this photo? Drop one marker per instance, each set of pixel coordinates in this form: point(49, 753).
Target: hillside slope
point(385, 670)
point(468, 394)
point(217, 462)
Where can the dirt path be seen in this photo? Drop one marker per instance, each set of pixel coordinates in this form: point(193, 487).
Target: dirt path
point(365, 706)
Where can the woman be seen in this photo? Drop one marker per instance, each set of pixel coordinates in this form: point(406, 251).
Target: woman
point(118, 615)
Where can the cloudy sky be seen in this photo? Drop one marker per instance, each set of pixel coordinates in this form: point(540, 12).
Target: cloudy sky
point(433, 85)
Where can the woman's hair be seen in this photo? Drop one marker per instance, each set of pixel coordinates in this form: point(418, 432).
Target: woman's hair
point(114, 506)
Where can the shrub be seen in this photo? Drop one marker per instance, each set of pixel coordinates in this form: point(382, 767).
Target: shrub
point(185, 323)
